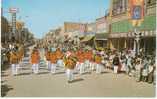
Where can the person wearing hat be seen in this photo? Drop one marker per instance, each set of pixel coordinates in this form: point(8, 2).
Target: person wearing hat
point(116, 62)
point(47, 55)
point(70, 65)
point(81, 60)
point(14, 62)
point(35, 57)
point(98, 60)
point(59, 58)
point(53, 59)
point(20, 54)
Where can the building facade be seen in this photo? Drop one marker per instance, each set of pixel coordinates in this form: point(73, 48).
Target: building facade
point(122, 33)
point(102, 28)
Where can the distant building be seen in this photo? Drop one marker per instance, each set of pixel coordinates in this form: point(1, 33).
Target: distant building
point(102, 30)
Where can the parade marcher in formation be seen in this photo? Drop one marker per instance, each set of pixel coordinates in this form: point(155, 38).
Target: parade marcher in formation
point(35, 58)
point(20, 54)
point(99, 66)
point(81, 60)
point(48, 56)
point(53, 59)
point(116, 63)
point(70, 65)
point(14, 61)
point(59, 55)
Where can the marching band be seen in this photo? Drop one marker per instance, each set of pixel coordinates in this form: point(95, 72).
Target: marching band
point(80, 60)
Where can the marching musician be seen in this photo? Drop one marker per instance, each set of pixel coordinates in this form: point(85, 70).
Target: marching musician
point(35, 57)
point(14, 61)
point(98, 60)
point(70, 65)
point(53, 59)
point(48, 55)
point(59, 57)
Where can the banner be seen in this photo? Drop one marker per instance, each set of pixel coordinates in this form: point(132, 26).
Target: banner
point(136, 12)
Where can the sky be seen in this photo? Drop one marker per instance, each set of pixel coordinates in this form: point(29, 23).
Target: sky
point(42, 15)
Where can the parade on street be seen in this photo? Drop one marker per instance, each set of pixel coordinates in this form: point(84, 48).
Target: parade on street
point(113, 55)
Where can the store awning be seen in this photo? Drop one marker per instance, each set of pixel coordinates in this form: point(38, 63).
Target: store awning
point(87, 38)
point(101, 36)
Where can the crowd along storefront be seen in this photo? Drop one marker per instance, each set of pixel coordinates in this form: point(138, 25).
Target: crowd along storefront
point(122, 34)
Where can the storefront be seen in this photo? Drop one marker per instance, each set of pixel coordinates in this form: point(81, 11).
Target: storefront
point(122, 34)
point(101, 40)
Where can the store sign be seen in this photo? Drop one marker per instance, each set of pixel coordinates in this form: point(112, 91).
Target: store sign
point(13, 10)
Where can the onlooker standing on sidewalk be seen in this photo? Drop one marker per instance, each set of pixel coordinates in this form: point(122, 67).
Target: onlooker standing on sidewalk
point(116, 63)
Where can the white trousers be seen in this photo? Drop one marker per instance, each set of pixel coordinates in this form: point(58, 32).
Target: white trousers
point(93, 65)
point(69, 74)
point(82, 68)
point(14, 68)
point(77, 67)
point(98, 68)
point(53, 68)
point(49, 65)
point(115, 69)
point(35, 68)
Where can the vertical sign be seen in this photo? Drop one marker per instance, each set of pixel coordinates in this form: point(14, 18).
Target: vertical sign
point(136, 11)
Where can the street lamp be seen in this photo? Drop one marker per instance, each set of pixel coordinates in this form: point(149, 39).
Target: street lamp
point(137, 39)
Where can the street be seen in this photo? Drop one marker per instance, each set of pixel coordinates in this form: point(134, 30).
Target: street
point(45, 84)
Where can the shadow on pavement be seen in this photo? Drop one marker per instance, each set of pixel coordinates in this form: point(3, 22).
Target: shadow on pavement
point(77, 80)
point(104, 72)
point(42, 73)
point(60, 73)
point(4, 90)
point(25, 68)
point(21, 74)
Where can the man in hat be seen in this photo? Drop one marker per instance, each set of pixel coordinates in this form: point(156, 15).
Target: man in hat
point(47, 55)
point(116, 62)
point(53, 59)
point(81, 60)
point(14, 61)
point(98, 60)
point(70, 65)
point(35, 58)
point(59, 57)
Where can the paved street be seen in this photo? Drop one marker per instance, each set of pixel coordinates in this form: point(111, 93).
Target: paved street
point(88, 85)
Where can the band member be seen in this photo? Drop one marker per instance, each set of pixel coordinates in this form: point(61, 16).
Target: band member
point(53, 59)
point(59, 58)
point(14, 62)
point(20, 55)
point(81, 59)
point(70, 65)
point(35, 57)
point(98, 63)
point(48, 55)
